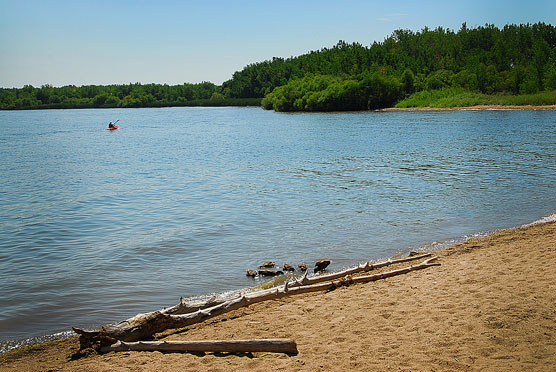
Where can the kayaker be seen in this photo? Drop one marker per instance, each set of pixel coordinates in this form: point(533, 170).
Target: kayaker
point(110, 125)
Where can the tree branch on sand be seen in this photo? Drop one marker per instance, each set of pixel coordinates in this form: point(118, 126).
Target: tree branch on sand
point(216, 346)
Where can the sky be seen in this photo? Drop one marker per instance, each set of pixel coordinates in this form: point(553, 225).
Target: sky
point(81, 42)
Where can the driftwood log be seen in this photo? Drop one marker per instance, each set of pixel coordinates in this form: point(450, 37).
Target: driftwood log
point(189, 307)
point(216, 346)
point(143, 326)
point(364, 267)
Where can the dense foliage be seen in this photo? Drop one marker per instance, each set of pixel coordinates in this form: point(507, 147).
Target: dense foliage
point(129, 95)
point(515, 59)
point(330, 93)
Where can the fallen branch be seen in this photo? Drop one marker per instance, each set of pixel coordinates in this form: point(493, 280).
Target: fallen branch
point(143, 326)
point(423, 265)
point(185, 307)
point(366, 266)
point(217, 346)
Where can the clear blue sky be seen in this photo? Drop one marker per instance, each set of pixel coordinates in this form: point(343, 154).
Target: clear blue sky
point(81, 42)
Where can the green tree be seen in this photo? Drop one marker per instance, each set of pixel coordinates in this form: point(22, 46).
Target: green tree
point(530, 82)
point(549, 80)
point(408, 81)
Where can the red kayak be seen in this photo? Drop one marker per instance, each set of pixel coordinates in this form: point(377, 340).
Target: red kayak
point(113, 128)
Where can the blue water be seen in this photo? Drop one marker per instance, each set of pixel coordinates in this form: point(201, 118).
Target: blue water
point(96, 226)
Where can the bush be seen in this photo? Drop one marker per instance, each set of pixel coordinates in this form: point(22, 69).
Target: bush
point(332, 93)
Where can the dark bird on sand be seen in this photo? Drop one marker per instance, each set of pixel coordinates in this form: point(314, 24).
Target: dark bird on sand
point(302, 266)
point(268, 264)
point(269, 272)
point(320, 265)
point(288, 267)
point(251, 273)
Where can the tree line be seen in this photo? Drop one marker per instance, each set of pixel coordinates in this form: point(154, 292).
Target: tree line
point(124, 95)
point(515, 59)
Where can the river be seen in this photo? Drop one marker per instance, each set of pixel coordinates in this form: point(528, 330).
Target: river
point(97, 225)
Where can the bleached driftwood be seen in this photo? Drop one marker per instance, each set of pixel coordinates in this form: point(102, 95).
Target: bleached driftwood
point(223, 346)
point(185, 307)
point(143, 326)
point(366, 266)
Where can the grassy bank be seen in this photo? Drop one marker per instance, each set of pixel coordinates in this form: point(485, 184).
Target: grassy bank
point(453, 97)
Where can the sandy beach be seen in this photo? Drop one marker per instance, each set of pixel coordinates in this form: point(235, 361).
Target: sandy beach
point(490, 306)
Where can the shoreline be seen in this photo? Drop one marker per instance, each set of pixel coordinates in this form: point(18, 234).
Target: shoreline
point(218, 104)
point(435, 246)
point(473, 108)
point(382, 325)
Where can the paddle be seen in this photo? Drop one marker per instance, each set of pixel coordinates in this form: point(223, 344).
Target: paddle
point(113, 125)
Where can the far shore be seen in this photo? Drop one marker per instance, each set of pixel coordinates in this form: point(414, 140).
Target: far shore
point(471, 108)
point(256, 103)
point(488, 307)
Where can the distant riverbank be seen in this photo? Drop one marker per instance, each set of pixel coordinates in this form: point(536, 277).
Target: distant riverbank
point(255, 102)
point(440, 99)
point(223, 102)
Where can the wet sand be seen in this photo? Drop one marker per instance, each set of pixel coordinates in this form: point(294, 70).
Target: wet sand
point(490, 306)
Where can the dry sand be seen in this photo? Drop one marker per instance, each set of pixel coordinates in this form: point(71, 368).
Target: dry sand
point(490, 306)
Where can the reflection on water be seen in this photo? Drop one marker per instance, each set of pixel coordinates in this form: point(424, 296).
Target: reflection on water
point(96, 226)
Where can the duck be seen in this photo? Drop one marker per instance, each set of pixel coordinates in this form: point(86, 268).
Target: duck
point(320, 265)
point(268, 264)
point(288, 267)
point(302, 266)
point(251, 273)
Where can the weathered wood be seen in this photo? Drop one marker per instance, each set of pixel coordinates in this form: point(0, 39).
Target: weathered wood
point(145, 325)
point(185, 307)
point(423, 265)
point(223, 346)
point(366, 266)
